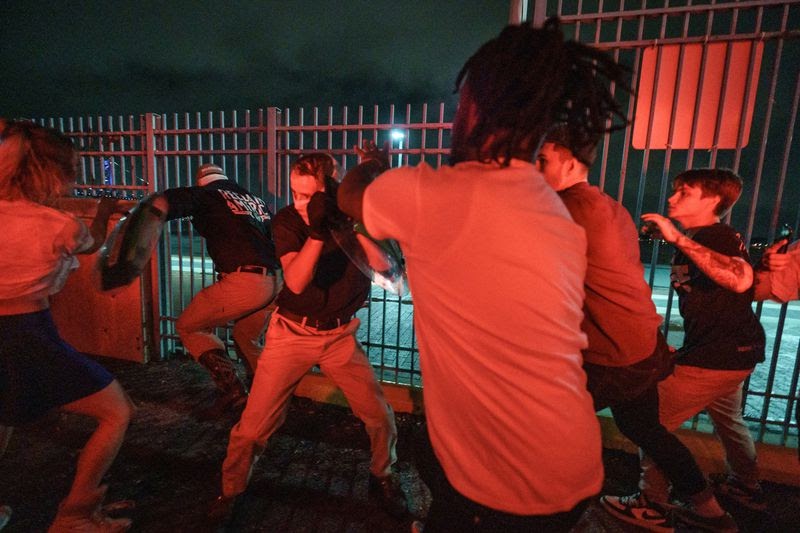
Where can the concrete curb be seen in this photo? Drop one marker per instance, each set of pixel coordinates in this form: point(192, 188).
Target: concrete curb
point(778, 464)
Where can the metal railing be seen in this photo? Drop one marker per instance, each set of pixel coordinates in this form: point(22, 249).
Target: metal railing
point(131, 156)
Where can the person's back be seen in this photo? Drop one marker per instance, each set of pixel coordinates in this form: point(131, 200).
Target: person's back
point(621, 319)
point(498, 294)
point(237, 228)
point(235, 223)
point(496, 268)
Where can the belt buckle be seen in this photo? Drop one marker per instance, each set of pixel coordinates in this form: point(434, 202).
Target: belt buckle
point(254, 269)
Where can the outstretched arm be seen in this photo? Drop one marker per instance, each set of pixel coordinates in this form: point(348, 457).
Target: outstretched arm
point(99, 228)
point(730, 272)
point(351, 191)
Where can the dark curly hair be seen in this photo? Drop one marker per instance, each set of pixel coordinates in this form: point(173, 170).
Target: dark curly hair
point(527, 79)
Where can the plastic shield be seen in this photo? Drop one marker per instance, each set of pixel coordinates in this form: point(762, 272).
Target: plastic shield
point(127, 250)
point(381, 261)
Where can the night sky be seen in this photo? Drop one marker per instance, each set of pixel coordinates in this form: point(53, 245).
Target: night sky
point(68, 58)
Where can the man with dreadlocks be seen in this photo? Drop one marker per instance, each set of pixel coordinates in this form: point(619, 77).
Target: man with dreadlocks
point(496, 266)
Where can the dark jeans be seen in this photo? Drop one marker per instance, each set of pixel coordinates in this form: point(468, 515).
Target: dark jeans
point(612, 385)
point(637, 417)
point(452, 512)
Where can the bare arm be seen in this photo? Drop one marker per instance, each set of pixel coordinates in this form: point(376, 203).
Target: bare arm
point(351, 191)
point(772, 261)
point(299, 267)
point(730, 272)
point(375, 256)
point(99, 228)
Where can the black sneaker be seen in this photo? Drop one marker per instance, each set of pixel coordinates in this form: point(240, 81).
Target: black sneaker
point(638, 510)
point(686, 515)
point(731, 488)
point(388, 491)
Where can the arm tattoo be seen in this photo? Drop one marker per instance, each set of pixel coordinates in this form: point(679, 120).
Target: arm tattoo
point(729, 272)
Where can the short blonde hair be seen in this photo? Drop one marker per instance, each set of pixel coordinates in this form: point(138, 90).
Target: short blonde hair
point(35, 162)
point(320, 165)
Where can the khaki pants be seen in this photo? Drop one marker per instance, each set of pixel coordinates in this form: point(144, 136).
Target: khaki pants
point(686, 392)
point(241, 297)
point(290, 351)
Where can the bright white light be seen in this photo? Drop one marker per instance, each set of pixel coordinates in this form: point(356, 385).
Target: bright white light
point(397, 135)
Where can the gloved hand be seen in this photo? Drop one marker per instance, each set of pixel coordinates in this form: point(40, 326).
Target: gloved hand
point(320, 209)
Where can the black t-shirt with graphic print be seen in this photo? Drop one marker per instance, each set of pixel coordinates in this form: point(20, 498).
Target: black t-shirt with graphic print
point(235, 223)
point(338, 288)
point(721, 330)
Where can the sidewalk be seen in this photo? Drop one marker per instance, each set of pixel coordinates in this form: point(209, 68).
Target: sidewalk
point(312, 476)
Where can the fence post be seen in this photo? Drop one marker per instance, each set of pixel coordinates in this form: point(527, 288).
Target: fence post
point(273, 186)
point(152, 301)
point(539, 14)
point(517, 11)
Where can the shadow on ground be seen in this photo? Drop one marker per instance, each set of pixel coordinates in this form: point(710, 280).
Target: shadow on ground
point(312, 477)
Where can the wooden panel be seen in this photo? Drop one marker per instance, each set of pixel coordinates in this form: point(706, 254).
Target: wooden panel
point(94, 322)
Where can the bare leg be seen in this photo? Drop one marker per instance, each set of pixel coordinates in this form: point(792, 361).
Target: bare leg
point(112, 409)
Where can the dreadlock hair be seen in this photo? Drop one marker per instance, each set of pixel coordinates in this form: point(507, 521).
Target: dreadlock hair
point(528, 78)
point(35, 162)
point(320, 165)
point(713, 182)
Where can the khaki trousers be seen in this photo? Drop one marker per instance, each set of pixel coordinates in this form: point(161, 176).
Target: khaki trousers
point(241, 297)
point(290, 351)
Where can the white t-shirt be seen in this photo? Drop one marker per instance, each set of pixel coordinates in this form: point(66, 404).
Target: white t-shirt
point(36, 249)
point(496, 268)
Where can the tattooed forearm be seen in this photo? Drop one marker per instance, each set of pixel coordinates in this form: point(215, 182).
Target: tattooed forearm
point(730, 272)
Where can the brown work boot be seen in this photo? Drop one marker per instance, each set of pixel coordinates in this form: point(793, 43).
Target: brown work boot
point(231, 391)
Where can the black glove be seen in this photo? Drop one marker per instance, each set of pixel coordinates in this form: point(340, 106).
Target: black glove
point(319, 210)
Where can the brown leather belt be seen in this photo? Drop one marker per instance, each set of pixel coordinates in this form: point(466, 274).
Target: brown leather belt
point(306, 321)
point(250, 269)
point(256, 269)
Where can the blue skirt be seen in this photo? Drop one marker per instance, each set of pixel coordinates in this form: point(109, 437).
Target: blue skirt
point(39, 370)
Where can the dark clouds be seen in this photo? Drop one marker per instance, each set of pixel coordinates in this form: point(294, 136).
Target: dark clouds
point(66, 58)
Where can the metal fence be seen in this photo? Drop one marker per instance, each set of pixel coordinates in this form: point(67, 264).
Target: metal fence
point(131, 156)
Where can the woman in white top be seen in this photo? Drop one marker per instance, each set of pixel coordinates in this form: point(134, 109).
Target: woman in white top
point(39, 371)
